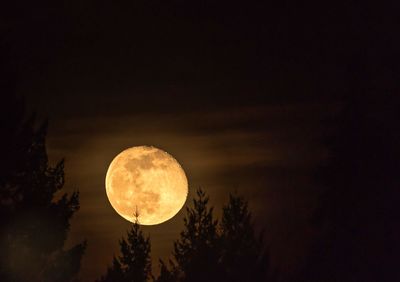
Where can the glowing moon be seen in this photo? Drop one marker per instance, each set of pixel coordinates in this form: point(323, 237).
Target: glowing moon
point(148, 179)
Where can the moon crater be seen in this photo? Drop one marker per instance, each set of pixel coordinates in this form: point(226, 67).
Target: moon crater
point(149, 180)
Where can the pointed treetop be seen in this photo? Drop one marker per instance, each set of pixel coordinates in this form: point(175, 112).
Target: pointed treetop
point(136, 215)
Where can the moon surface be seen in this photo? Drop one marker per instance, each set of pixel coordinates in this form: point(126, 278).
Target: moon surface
point(147, 180)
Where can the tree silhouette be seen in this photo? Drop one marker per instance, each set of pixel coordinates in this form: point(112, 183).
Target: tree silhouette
point(243, 257)
point(208, 251)
point(197, 251)
point(34, 216)
point(134, 263)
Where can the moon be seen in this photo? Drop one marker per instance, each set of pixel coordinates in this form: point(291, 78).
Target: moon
point(146, 180)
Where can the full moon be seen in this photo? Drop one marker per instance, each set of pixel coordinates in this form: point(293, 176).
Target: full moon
point(148, 181)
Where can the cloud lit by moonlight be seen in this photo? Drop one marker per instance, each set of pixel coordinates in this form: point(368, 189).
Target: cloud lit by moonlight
point(149, 180)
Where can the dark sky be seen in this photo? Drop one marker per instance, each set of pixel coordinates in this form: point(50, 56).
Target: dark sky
point(237, 92)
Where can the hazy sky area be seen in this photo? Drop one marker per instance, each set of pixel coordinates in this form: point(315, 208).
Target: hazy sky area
point(266, 153)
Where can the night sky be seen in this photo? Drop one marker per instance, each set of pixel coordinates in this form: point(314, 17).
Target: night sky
point(238, 92)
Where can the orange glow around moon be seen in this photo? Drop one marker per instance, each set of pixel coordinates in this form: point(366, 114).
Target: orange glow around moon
point(149, 180)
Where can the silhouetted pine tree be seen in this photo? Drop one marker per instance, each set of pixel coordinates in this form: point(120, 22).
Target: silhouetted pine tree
point(243, 254)
point(197, 251)
point(34, 222)
point(206, 251)
point(134, 263)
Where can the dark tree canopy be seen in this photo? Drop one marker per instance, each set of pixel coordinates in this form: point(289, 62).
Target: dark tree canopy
point(208, 251)
point(134, 263)
point(197, 251)
point(35, 217)
point(243, 255)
